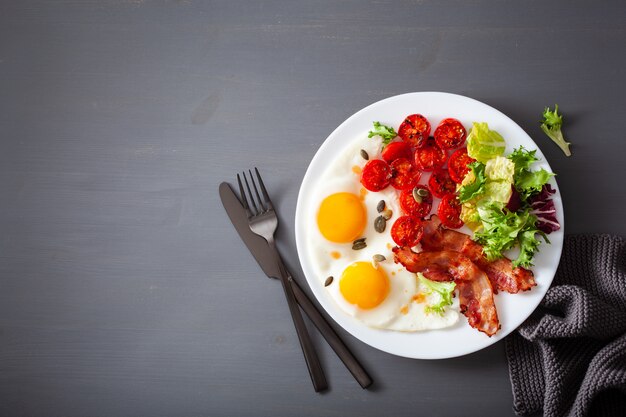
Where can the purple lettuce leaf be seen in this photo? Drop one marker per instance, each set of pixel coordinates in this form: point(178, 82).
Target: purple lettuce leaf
point(542, 206)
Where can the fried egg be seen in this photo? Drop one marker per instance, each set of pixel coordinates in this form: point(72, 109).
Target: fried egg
point(380, 294)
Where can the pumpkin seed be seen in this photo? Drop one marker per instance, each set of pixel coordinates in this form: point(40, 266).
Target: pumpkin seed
point(380, 223)
point(387, 214)
point(378, 258)
point(359, 245)
point(381, 206)
point(364, 155)
point(329, 281)
point(362, 239)
point(416, 195)
point(422, 192)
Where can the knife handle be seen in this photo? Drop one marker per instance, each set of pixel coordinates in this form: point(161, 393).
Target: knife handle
point(310, 355)
point(331, 337)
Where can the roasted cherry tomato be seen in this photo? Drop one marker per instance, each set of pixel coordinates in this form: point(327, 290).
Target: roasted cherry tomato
point(449, 211)
point(458, 165)
point(413, 207)
point(430, 156)
point(403, 174)
point(376, 175)
point(414, 130)
point(450, 134)
point(440, 183)
point(397, 150)
point(407, 231)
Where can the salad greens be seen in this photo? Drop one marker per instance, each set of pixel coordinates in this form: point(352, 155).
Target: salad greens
point(386, 132)
point(484, 144)
point(443, 289)
point(551, 126)
point(476, 186)
point(503, 229)
point(507, 204)
point(490, 181)
point(528, 182)
point(542, 206)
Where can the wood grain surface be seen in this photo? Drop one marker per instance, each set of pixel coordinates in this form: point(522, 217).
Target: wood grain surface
point(124, 289)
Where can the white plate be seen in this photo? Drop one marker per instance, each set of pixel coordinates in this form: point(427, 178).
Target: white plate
point(460, 339)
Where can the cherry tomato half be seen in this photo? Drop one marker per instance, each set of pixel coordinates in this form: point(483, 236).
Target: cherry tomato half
point(415, 208)
point(449, 211)
point(458, 165)
point(450, 134)
point(397, 150)
point(430, 156)
point(407, 231)
point(440, 183)
point(414, 130)
point(403, 174)
point(376, 175)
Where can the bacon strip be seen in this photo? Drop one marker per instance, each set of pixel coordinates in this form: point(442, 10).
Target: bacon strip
point(475, 291)
point(501, 272)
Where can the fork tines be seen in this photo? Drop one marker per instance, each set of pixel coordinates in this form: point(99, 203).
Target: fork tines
point(265, 204)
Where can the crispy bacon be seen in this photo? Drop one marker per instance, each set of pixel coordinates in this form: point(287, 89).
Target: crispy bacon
point(501, 272)
point(475, 291)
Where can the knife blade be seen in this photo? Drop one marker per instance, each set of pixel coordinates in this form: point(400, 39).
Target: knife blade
point(264, 257)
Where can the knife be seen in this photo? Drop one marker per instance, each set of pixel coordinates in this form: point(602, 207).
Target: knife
point(263, 255)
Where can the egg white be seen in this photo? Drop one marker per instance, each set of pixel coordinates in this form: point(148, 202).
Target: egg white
point(398, 311)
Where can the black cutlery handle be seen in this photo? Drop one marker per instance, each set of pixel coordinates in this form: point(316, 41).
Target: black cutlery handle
point(310, 356)
point(332, 337)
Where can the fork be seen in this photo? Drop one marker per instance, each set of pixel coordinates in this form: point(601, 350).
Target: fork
point(263, 221)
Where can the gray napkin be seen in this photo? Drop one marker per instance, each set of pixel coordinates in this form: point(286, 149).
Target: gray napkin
point(569, 358)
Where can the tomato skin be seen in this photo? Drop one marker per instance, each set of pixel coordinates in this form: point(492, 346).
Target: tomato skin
point(440, 183)
point(430, 156)
point(404, 176)
point(458, 165)
point(412, 207)
point(407, 231)
point(376, 175)
point(450, 134)
point(414, 130)
point(449, 211)
point(397, 150)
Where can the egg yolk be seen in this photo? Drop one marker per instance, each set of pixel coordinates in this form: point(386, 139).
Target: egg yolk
point(341, 217)
point(363, 285)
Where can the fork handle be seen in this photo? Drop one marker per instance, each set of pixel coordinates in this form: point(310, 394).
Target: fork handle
point(333, 339)
point(310, 356)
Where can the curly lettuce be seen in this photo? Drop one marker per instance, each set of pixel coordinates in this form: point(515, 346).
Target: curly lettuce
point(551, 125)
point(474, 188)
point(527, 182)
point(387, 133)
point(503, 229)
point(444, 291)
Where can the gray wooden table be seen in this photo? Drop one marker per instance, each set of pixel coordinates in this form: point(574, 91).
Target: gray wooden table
point(124, 290)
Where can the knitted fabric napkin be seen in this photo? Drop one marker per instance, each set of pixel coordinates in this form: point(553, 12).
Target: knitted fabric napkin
point(569, 358)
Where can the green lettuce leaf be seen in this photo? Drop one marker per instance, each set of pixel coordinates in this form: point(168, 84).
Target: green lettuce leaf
point(527, 182)
point(503, 229)
point(551, 125)
point(476, 188)
point(386, 132)
point(531, 182)
point(444, 289)
point(528, 244)
point(484, 144)
point(500, 229)
point(499, 191)
point(522, 159)
point(500, 169)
